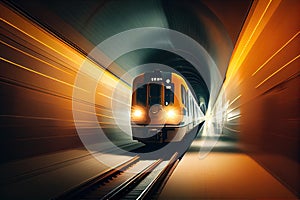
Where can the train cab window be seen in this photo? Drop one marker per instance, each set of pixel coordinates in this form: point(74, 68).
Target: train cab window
point(155, 93)
point(141, 95)
point(189, 104)
point(169, 94)
point(183, 95)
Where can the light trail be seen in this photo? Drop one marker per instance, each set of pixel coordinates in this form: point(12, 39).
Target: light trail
point(234, 117)
point(289, 41)
point(38, 59)
point(39, 41)
point(239, 96)
point(234, 63)
point(274, 73)
point(41, 74)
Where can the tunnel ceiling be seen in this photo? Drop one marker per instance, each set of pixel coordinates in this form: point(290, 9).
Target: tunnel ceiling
point(214, 24)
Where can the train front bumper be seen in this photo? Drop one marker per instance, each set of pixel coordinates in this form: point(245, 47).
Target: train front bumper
point(157, 133)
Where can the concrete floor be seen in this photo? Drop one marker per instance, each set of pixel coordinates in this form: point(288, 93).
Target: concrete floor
point(225, 173)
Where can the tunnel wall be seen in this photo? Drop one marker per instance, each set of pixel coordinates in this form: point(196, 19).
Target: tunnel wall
point(36, 90)
point(262, 89)
point(38, 71)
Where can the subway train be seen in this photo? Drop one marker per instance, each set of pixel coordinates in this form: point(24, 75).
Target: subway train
point(163, 108)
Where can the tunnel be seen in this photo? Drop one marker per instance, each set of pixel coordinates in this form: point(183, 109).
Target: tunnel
point(67, 73)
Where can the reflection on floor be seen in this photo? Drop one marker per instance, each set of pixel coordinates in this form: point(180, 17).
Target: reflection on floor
point(224, 173)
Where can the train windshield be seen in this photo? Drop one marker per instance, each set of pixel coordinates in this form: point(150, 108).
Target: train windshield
point(155, 93)
point(141, 95)
point(169, 94)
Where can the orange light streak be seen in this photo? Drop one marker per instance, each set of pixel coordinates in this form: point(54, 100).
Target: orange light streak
point(276, 53)
point(78, 56)
point(281, 68)
point(38, 59)
point(248, 41)
point(41, 42)
point(41, 74)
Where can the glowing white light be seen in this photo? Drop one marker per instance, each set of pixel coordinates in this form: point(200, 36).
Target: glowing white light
point(137, 113)
point(168, 81)
point(171, 114)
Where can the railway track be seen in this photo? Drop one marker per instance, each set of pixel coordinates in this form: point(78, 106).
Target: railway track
point(134, 179)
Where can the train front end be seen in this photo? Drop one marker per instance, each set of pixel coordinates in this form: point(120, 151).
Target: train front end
point(157, 112)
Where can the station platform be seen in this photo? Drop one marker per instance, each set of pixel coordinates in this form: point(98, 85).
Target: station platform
point(224, 173)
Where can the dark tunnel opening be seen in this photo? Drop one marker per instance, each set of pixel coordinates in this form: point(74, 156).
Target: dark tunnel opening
point(172, 60)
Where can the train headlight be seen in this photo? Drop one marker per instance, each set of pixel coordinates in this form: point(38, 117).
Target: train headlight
point(138, 114)
point(171, 114)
